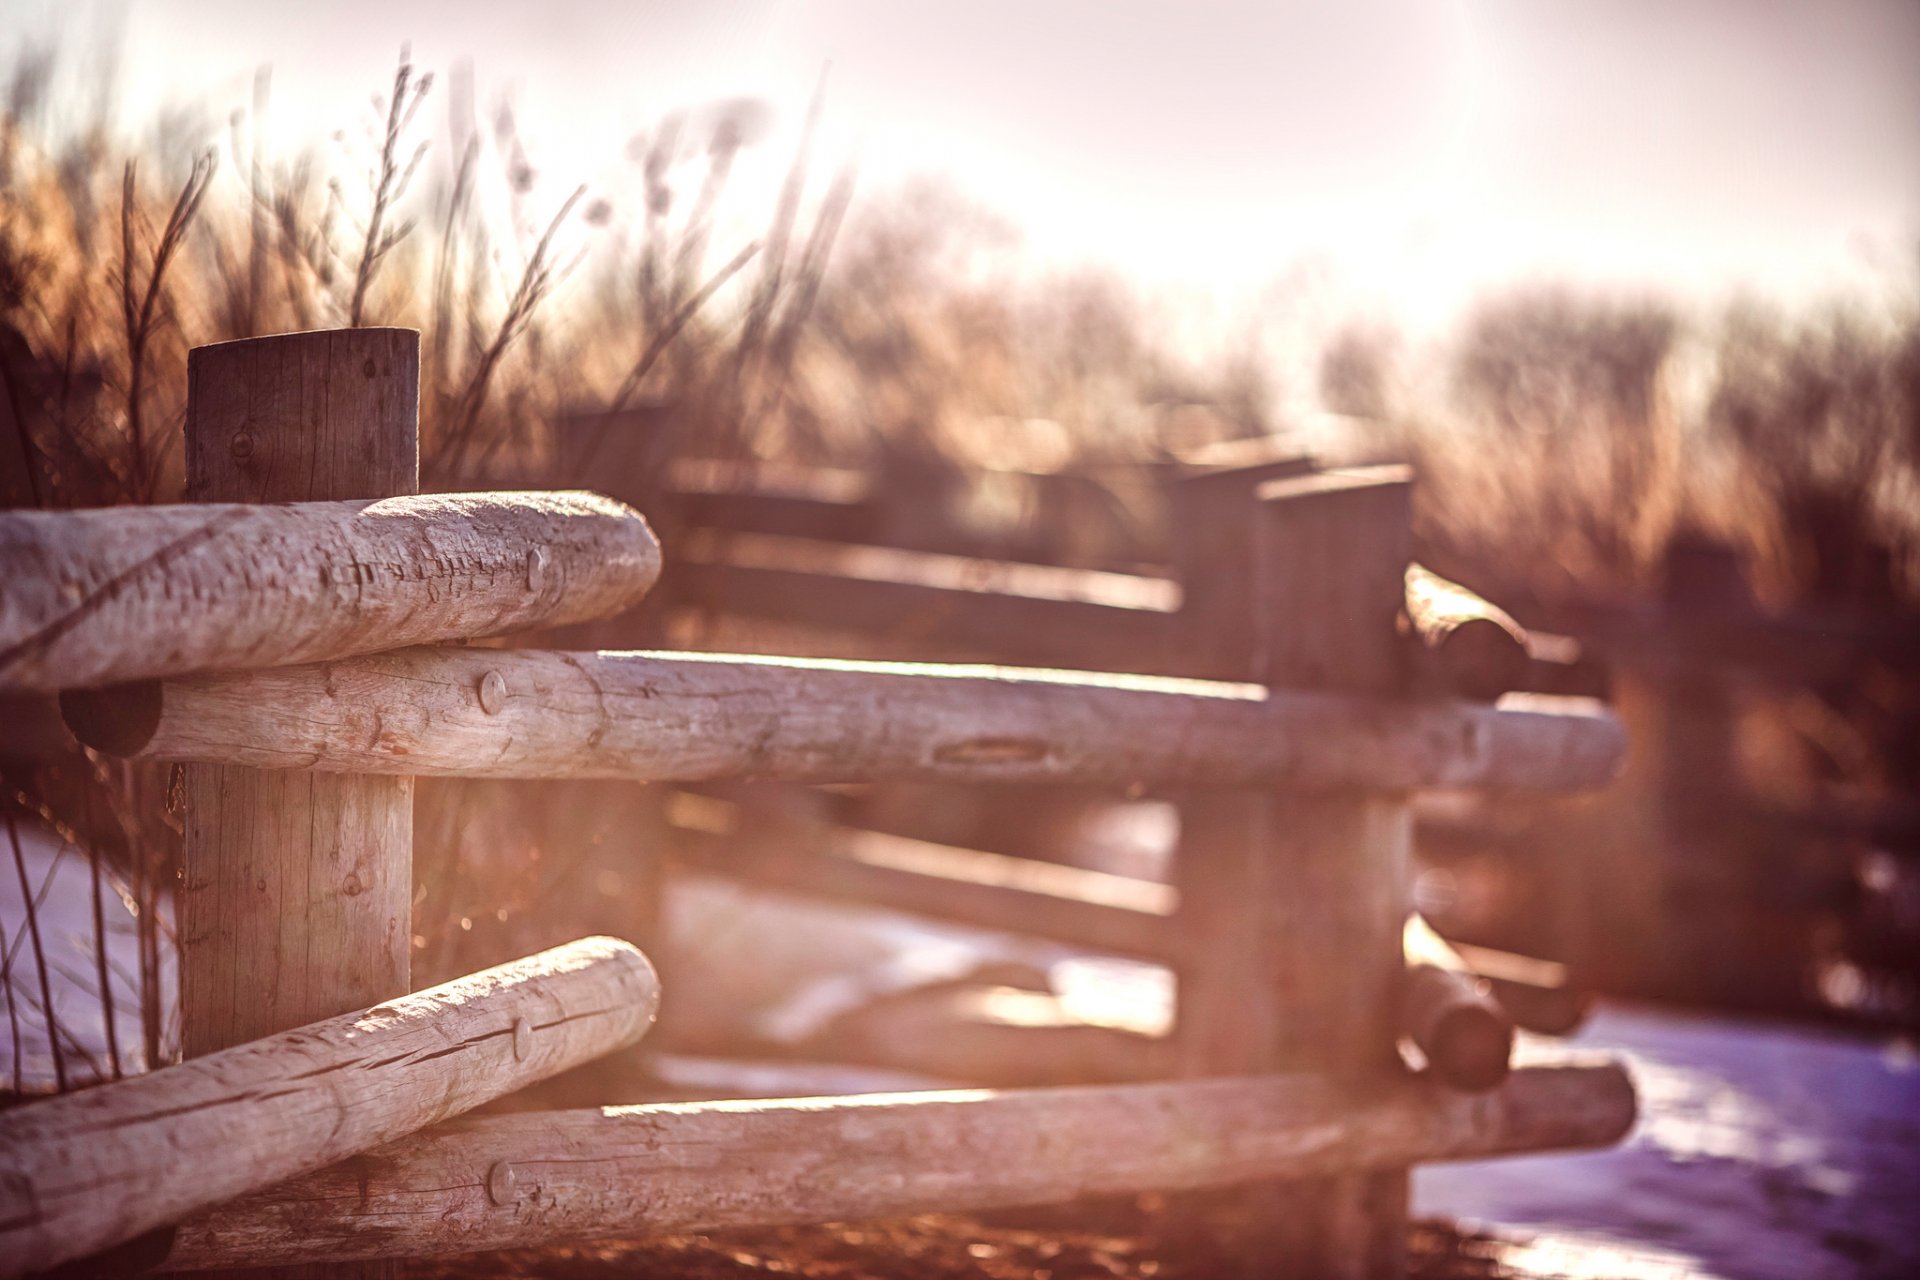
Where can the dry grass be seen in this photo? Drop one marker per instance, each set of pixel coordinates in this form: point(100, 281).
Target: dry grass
point(1569, 437)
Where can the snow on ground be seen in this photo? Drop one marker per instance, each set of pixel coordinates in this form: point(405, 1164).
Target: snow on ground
point(1762, 1152)
point(61, 883)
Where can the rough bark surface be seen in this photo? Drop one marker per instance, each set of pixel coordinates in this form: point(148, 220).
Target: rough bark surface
point(85, 1171)
point(297, 897)
point(124, 593)
point(692, 716)
point(508, 1181)
point(1292, 901)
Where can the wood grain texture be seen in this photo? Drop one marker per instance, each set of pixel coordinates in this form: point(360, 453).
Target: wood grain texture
point(1292, 902)
point(95, 597)
point(542, 1178)
point(1331, 558)
point(296, 897)
point(85, 1171)
point(686, 716)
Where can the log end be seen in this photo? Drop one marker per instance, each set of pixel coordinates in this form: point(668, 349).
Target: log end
point(1453, 1018)
point(1471, 1048)
point(634, 982)
point(118, 719)
point(1479, 660)
point(1466, 647)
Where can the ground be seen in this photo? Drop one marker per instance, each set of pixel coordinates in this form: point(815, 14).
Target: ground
point(1764, 1151)
point(929, 1248)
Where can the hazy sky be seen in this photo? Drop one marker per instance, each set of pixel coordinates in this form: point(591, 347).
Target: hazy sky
point(1418, 146)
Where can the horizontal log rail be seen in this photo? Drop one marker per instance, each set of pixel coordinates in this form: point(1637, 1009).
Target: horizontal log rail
point(962, 606)
point(961, 886)
point(532, 1179)
point(87, 1171)
point(1456, 1015)
point(124, 593)
point(686, 717)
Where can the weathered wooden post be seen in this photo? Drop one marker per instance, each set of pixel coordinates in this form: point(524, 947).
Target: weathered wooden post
point(297, 902)
point(1211, 512)
point(1300, 899)
point(1720, 938)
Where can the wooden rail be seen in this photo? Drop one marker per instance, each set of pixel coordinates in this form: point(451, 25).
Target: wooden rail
point(989, 891)
point(684, 716)
point(514, 1181)
point(88, 1170)
point(1027, 614)
point(96, 597)
point(795, 547)
point(1460, 1013)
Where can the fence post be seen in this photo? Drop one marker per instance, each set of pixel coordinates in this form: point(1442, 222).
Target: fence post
point(298, 886)
point(1298, 901)
point(1211, 513)
point(1721, 934)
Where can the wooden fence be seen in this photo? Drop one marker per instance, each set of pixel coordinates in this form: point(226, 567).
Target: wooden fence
point(1715, 889)
point(1290, 718)
point(799, 560)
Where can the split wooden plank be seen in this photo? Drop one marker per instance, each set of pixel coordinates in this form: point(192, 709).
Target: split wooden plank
point(690, 716)
point(88, 1170)
point(125, 593)
point(533, 1179)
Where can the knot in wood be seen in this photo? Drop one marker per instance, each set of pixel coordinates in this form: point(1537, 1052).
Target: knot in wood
point(493, 693)
point(502, 1183)
point(522, 1039)
point(537, 561)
